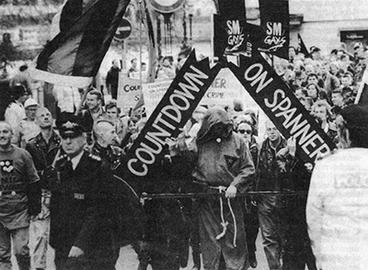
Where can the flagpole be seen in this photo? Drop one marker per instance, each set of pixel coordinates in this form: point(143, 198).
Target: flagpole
point(140, 43)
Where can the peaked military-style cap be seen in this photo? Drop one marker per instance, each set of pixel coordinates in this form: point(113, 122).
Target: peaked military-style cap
point(70, 126)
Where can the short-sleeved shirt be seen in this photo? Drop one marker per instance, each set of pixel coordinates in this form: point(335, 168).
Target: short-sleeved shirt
point(16, 172)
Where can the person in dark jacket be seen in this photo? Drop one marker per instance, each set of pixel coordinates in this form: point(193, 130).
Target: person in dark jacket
point(296, 175)
point(43, 149)
point(79, 233)
point(104, 134)
point(126, 216)
point(112, 79)
point(269, 205)
point(94, 111)
point(20, 198)
point(250, 214)
point(166, 224)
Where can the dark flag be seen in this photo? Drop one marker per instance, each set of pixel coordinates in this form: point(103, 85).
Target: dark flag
point(301, 47)
point(229, 29)
point(275, 18)
point(74, 55)
point(230, 35)
point(71, 11)
point(235, 8)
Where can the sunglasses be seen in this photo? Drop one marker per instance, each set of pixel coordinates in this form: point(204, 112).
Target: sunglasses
point(242, 131)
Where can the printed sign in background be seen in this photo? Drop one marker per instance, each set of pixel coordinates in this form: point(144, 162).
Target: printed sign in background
point(280, 104)
point(153, 93)
point(224, 89)
point(129, 92)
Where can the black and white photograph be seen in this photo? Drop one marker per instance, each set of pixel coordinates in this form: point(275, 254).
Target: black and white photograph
point(183, 134)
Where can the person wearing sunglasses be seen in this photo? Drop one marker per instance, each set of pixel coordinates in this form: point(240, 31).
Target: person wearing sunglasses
point(250, 214)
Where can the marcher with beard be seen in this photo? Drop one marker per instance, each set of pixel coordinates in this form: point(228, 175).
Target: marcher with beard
point(78, 233)
point(337, 101)
point(295, 175)
point(20, 198)
point(337, 212)
point(269, 205)
point(322, 111)
point(224, 164)
point(251, 214)
point(43, 149)
point(112, 79)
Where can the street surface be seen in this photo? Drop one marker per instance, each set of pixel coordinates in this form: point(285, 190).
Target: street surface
point(128, 259)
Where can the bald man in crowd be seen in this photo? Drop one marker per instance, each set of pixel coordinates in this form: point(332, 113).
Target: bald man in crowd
point(19, 200)
point(43, 149)
point(104, 133)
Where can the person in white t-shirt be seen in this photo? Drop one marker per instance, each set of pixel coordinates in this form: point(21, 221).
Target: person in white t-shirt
point(15, 111)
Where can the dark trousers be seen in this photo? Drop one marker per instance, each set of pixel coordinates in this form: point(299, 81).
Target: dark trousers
point(20, 239)
point(269, 221)
point(159, 255)
point(296, 243)
point(101, 259)
point(251, 226)
point(194, 236)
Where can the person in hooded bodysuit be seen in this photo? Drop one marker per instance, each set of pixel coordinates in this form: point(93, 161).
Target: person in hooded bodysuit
point(224, 160)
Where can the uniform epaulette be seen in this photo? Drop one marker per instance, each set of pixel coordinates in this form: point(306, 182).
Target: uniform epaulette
point(97, 158)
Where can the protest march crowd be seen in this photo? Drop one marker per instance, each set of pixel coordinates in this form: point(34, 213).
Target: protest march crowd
point(61, 179)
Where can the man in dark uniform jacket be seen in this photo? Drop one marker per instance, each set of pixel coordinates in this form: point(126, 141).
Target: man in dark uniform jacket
point(126, 212)
point(78, 233)
point(104, 135)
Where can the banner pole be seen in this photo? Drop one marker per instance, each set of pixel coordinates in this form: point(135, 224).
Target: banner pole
point(212, 41)
point(140, 44)
point(361, 86)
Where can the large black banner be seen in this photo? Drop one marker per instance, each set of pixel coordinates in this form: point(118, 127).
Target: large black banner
point(170, 115)
point(279, 103)
point(275, 21)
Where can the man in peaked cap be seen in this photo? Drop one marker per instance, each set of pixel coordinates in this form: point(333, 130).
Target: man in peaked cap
point(78, 232)
point(337, 212)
